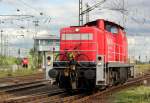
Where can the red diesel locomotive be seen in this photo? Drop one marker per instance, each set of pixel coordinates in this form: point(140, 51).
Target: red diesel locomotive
point(25, 62)
point(92, 55)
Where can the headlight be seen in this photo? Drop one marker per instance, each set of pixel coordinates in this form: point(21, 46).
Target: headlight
point(77, 30)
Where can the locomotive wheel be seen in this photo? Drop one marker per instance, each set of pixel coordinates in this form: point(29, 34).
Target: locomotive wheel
point(61, 57)
point(86, 85)
point(84, 57)
point(63, 81)
point(67, 81)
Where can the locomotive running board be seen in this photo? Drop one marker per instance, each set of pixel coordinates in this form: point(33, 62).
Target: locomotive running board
point(118, 64)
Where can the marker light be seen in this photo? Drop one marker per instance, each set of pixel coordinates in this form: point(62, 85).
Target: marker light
point(77, 29)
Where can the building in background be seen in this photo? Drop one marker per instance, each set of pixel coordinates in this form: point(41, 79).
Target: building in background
point(48, 47)
point(46, 43)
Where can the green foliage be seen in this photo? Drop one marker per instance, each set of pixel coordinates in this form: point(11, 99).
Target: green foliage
point(7, 65)
point(7, 60)
point(34, 59)
point(18, 61)
point(133, 95)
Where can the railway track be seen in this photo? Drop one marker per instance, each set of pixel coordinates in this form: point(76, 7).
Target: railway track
point(18, 79)
point(17, 89)
point(53, 95)
point(101, 96)
point(57, 96)
point(43, 94)
point(35, 98)
point(66, 99)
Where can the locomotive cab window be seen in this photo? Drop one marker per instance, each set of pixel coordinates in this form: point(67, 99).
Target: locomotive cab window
point(114, 29)
point(108, 27)
point(82, 36)
point(111, 27)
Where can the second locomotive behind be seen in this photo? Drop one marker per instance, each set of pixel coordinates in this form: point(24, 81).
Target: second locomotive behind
point(92, 55)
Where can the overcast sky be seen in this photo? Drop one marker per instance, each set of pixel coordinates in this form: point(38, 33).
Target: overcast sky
point(60, 13)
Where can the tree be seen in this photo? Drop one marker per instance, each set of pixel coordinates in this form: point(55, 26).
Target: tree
point(35, 59)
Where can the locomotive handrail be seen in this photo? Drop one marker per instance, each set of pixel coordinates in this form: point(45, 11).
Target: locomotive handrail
point(78, 67)
point(81, 61)
point(78, 42)
point(78, 50)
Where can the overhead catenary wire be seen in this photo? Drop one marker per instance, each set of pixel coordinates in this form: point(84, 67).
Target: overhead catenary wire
point(29, 6)
point(88, 9)
point(121, 6)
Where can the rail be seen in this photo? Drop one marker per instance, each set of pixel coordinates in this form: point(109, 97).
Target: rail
point(100, 96)
point(36, 97)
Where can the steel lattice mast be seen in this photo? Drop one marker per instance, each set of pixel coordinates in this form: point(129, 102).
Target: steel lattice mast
point(88, 9)
point(80, 12)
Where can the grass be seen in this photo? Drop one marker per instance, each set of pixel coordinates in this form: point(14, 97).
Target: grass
point(19, 72)
point(7, 60)
point(133, 95)
point(142, 68)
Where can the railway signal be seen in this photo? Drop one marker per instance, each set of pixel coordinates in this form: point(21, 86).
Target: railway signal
point(48, 60)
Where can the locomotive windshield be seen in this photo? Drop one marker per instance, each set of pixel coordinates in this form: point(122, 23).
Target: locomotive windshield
point(77, 37)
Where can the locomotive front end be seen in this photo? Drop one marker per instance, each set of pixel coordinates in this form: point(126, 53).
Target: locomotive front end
point(74, 66)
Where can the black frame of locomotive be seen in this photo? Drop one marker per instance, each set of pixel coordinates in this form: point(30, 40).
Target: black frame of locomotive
point(83, 76)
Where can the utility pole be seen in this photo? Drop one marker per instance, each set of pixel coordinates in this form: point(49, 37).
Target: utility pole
point(1, 42)
point(87, 14)
point(123, 13)
point(146, 58)
point(80, 12)
point(4, 44)
point(7, 45)
point(36, 24)
point(139, 59)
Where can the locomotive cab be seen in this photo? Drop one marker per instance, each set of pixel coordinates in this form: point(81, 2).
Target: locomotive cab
point(92, 55)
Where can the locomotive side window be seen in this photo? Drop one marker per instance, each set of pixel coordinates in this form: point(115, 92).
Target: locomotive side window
point(108, 27)
point(111, 28)
point(86, 37)
point(114, 29)
point(77, 37)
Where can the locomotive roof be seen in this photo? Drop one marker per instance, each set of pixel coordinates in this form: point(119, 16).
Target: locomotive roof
point(114, 24)
point(104, 21)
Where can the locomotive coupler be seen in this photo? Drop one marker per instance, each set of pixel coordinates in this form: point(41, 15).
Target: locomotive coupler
point(72, 64)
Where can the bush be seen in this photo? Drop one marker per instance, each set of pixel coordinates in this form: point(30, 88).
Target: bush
point(4, 60)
